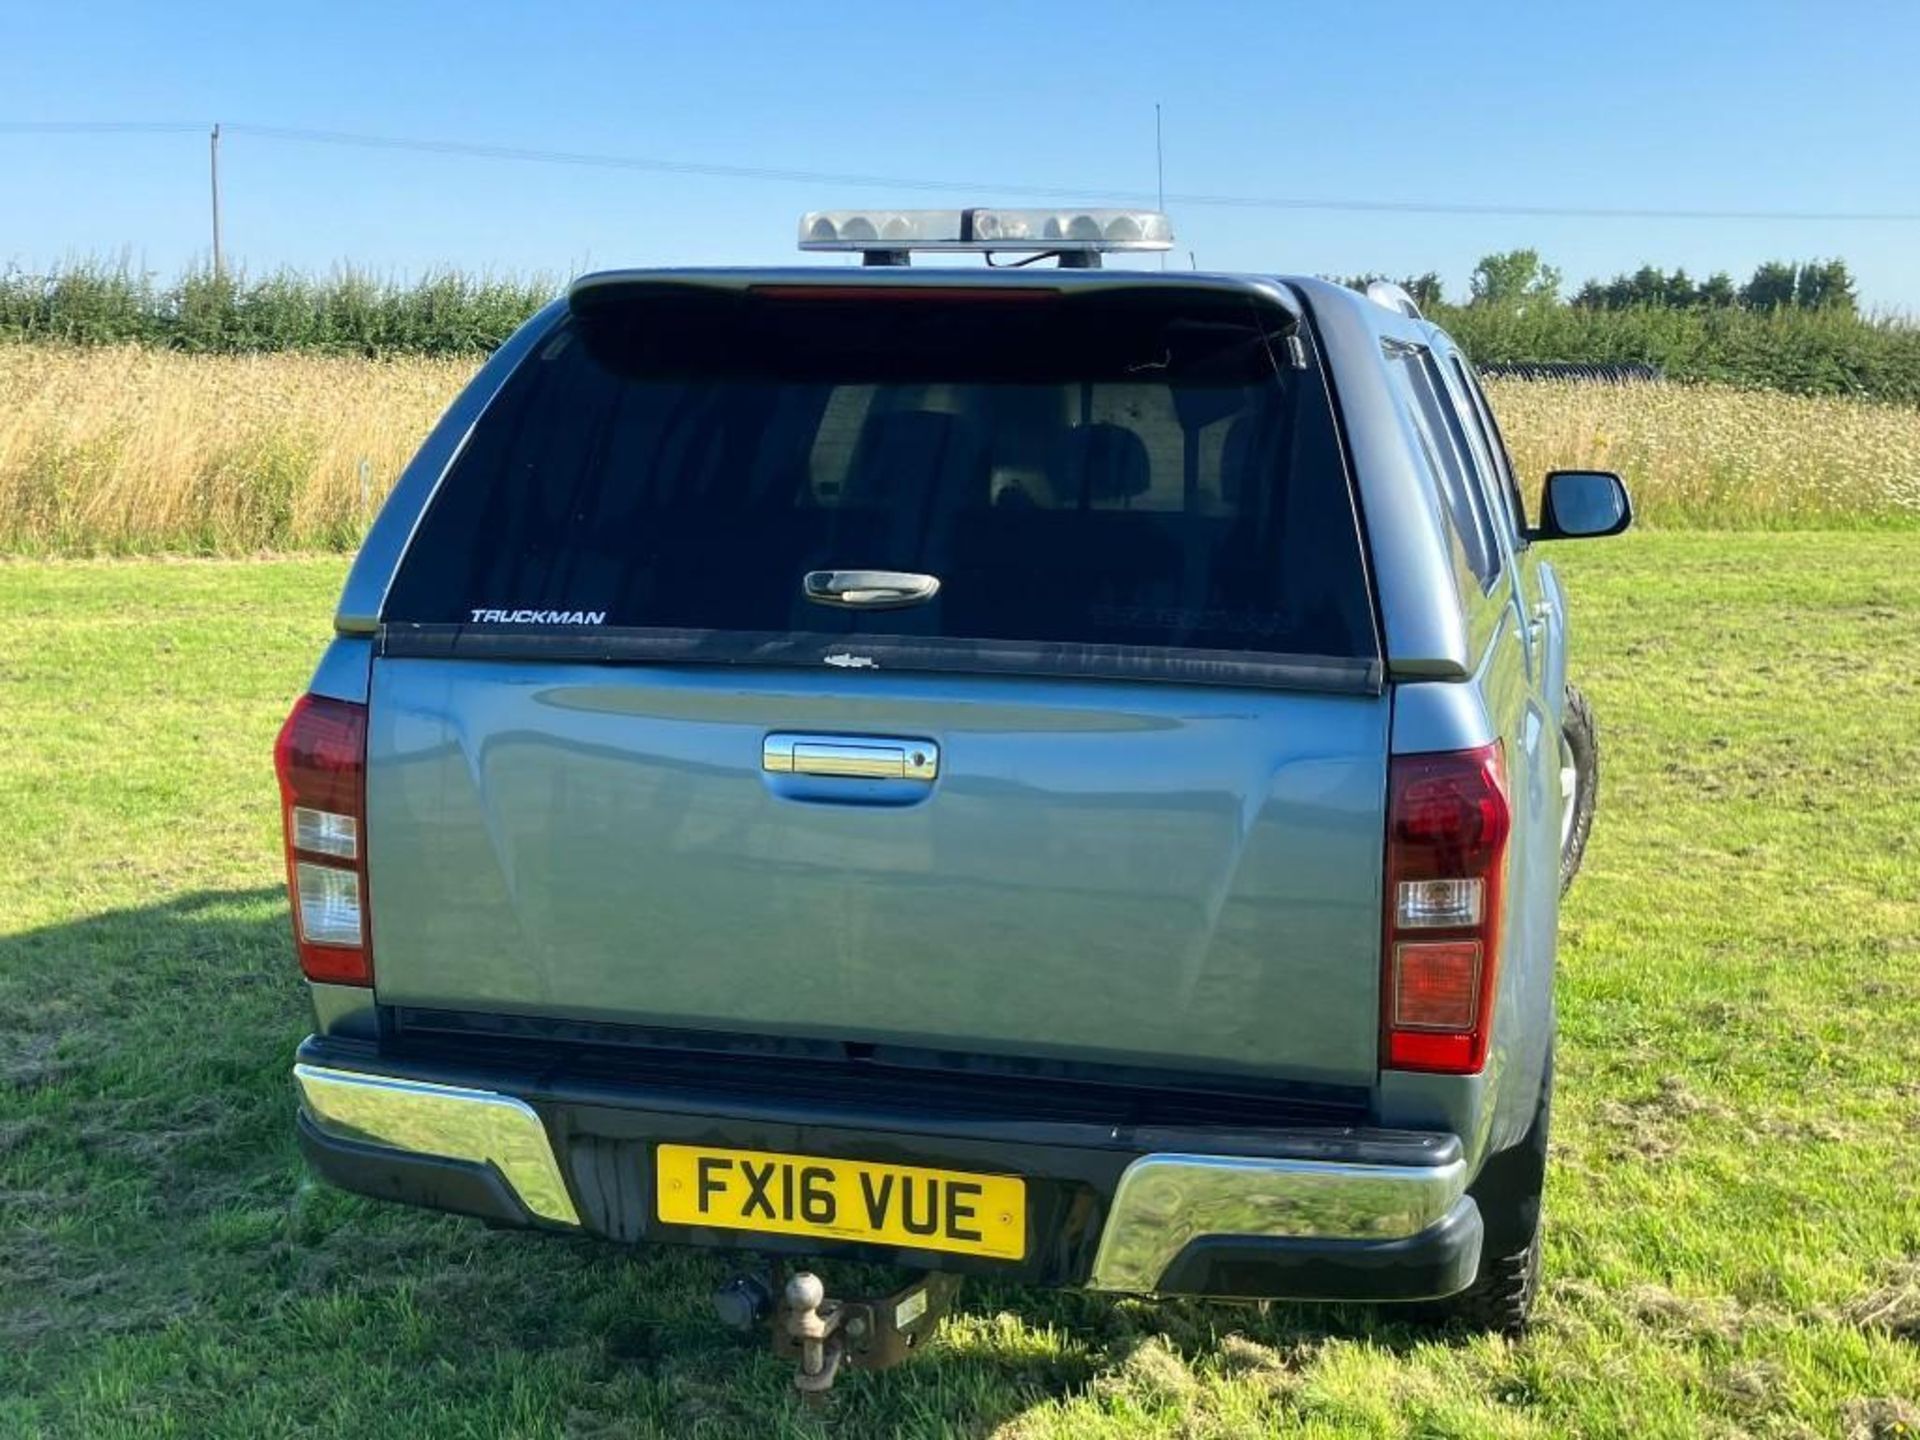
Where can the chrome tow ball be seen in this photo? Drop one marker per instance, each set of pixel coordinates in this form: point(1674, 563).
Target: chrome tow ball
point(812, 1321)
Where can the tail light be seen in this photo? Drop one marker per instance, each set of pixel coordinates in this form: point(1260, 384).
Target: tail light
point(1447, 825)
point(321, 758)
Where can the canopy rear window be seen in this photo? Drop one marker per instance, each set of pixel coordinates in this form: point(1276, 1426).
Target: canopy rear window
point(1117, 482)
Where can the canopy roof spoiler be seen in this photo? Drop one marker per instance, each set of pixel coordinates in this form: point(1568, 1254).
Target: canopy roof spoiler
point(611, 288)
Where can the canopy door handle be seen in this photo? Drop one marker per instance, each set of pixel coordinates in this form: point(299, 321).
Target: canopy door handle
point(869, 589)
point(851, 757)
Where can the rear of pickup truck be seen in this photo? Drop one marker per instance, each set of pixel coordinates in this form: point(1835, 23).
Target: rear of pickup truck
point(894, 767)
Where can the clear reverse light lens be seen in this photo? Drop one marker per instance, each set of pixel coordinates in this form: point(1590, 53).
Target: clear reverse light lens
point(322, 832)
point(329, 903)
point(1437, 904)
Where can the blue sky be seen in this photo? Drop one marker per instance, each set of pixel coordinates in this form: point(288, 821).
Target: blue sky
point(1750, 106)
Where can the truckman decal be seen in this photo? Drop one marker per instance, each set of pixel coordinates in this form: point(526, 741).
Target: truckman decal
point(539, 617)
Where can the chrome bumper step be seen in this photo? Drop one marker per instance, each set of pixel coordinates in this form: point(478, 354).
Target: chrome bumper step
point(448, 1122)
point(1163, 1203)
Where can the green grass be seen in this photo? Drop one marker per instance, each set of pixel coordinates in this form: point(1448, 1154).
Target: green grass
point(1734, 1208)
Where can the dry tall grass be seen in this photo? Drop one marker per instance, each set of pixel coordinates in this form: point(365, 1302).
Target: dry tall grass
point(1708, 456)
point(132, 449)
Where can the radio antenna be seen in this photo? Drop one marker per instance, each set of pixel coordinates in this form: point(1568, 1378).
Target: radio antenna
point(1159, 171)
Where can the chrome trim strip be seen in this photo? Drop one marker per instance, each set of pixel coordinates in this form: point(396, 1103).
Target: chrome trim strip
point(1165, 1201)
point(447, 1121)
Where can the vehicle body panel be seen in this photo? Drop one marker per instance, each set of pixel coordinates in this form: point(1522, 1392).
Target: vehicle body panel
point(1155, 874)
point(1424, 632)
point(1516, 641)
point(345, 669)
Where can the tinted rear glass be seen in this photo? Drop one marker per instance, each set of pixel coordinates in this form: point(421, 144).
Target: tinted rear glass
point(1132, 469)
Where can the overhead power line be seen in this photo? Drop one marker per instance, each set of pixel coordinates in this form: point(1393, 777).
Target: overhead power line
point(984, 187)
point(102, 127)
point(975, 188)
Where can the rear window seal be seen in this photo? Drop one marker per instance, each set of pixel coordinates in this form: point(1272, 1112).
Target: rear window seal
point(618, 645)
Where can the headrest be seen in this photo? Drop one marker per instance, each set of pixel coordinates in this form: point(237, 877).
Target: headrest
point(918, 450)
point(1097, 464)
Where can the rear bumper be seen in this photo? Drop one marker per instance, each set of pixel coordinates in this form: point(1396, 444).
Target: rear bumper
point(1308, 1213)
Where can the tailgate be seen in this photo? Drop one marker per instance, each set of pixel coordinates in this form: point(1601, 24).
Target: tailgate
point(1148, 874)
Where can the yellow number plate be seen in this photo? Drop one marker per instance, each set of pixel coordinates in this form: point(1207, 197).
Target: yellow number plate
point(843, 1200)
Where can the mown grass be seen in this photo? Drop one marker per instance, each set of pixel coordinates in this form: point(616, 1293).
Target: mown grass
point(1734, 1211)
point(132, 450)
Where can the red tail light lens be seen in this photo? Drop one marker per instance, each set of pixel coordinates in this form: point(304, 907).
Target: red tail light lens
point(321, 759)
point(1438, 985)
point(1447, 826)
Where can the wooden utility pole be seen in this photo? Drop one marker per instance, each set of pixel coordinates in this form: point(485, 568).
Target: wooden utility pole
point(213, 155)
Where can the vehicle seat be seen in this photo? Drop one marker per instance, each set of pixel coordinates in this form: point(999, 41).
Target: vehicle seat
point(915, 469)
point(1103, 466)
point(912, 454)
point(1249, 447)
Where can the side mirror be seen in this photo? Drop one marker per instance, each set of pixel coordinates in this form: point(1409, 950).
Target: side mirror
point(1583, 504)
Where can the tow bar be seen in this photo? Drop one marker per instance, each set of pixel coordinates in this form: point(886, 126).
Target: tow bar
point(820, 1335)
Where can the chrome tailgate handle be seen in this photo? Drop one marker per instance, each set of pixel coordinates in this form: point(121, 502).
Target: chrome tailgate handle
point(853, 757)
point(869, 589)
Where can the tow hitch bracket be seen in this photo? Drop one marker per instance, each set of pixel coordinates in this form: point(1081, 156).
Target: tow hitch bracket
point(820, 1334)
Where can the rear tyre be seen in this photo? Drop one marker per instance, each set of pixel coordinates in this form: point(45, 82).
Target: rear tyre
point(1579, 783)
point(1508, 1192)
point(1500, 1302)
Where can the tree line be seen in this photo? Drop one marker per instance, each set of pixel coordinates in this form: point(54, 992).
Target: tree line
point(1513, 278)
point(1792, 326)
point(346, 312)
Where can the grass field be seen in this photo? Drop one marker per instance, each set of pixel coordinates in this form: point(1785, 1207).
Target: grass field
point(125, 449)
point(1734, 1207)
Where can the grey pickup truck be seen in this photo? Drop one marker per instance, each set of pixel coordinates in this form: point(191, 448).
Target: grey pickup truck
point(1060, 773)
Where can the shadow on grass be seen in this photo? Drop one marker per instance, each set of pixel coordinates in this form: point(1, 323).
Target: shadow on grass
point(157, 1205)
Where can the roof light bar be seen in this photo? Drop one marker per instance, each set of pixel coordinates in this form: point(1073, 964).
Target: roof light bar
point(1066, 232)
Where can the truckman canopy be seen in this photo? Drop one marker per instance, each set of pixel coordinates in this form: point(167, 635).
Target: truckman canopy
point(1088, 479)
